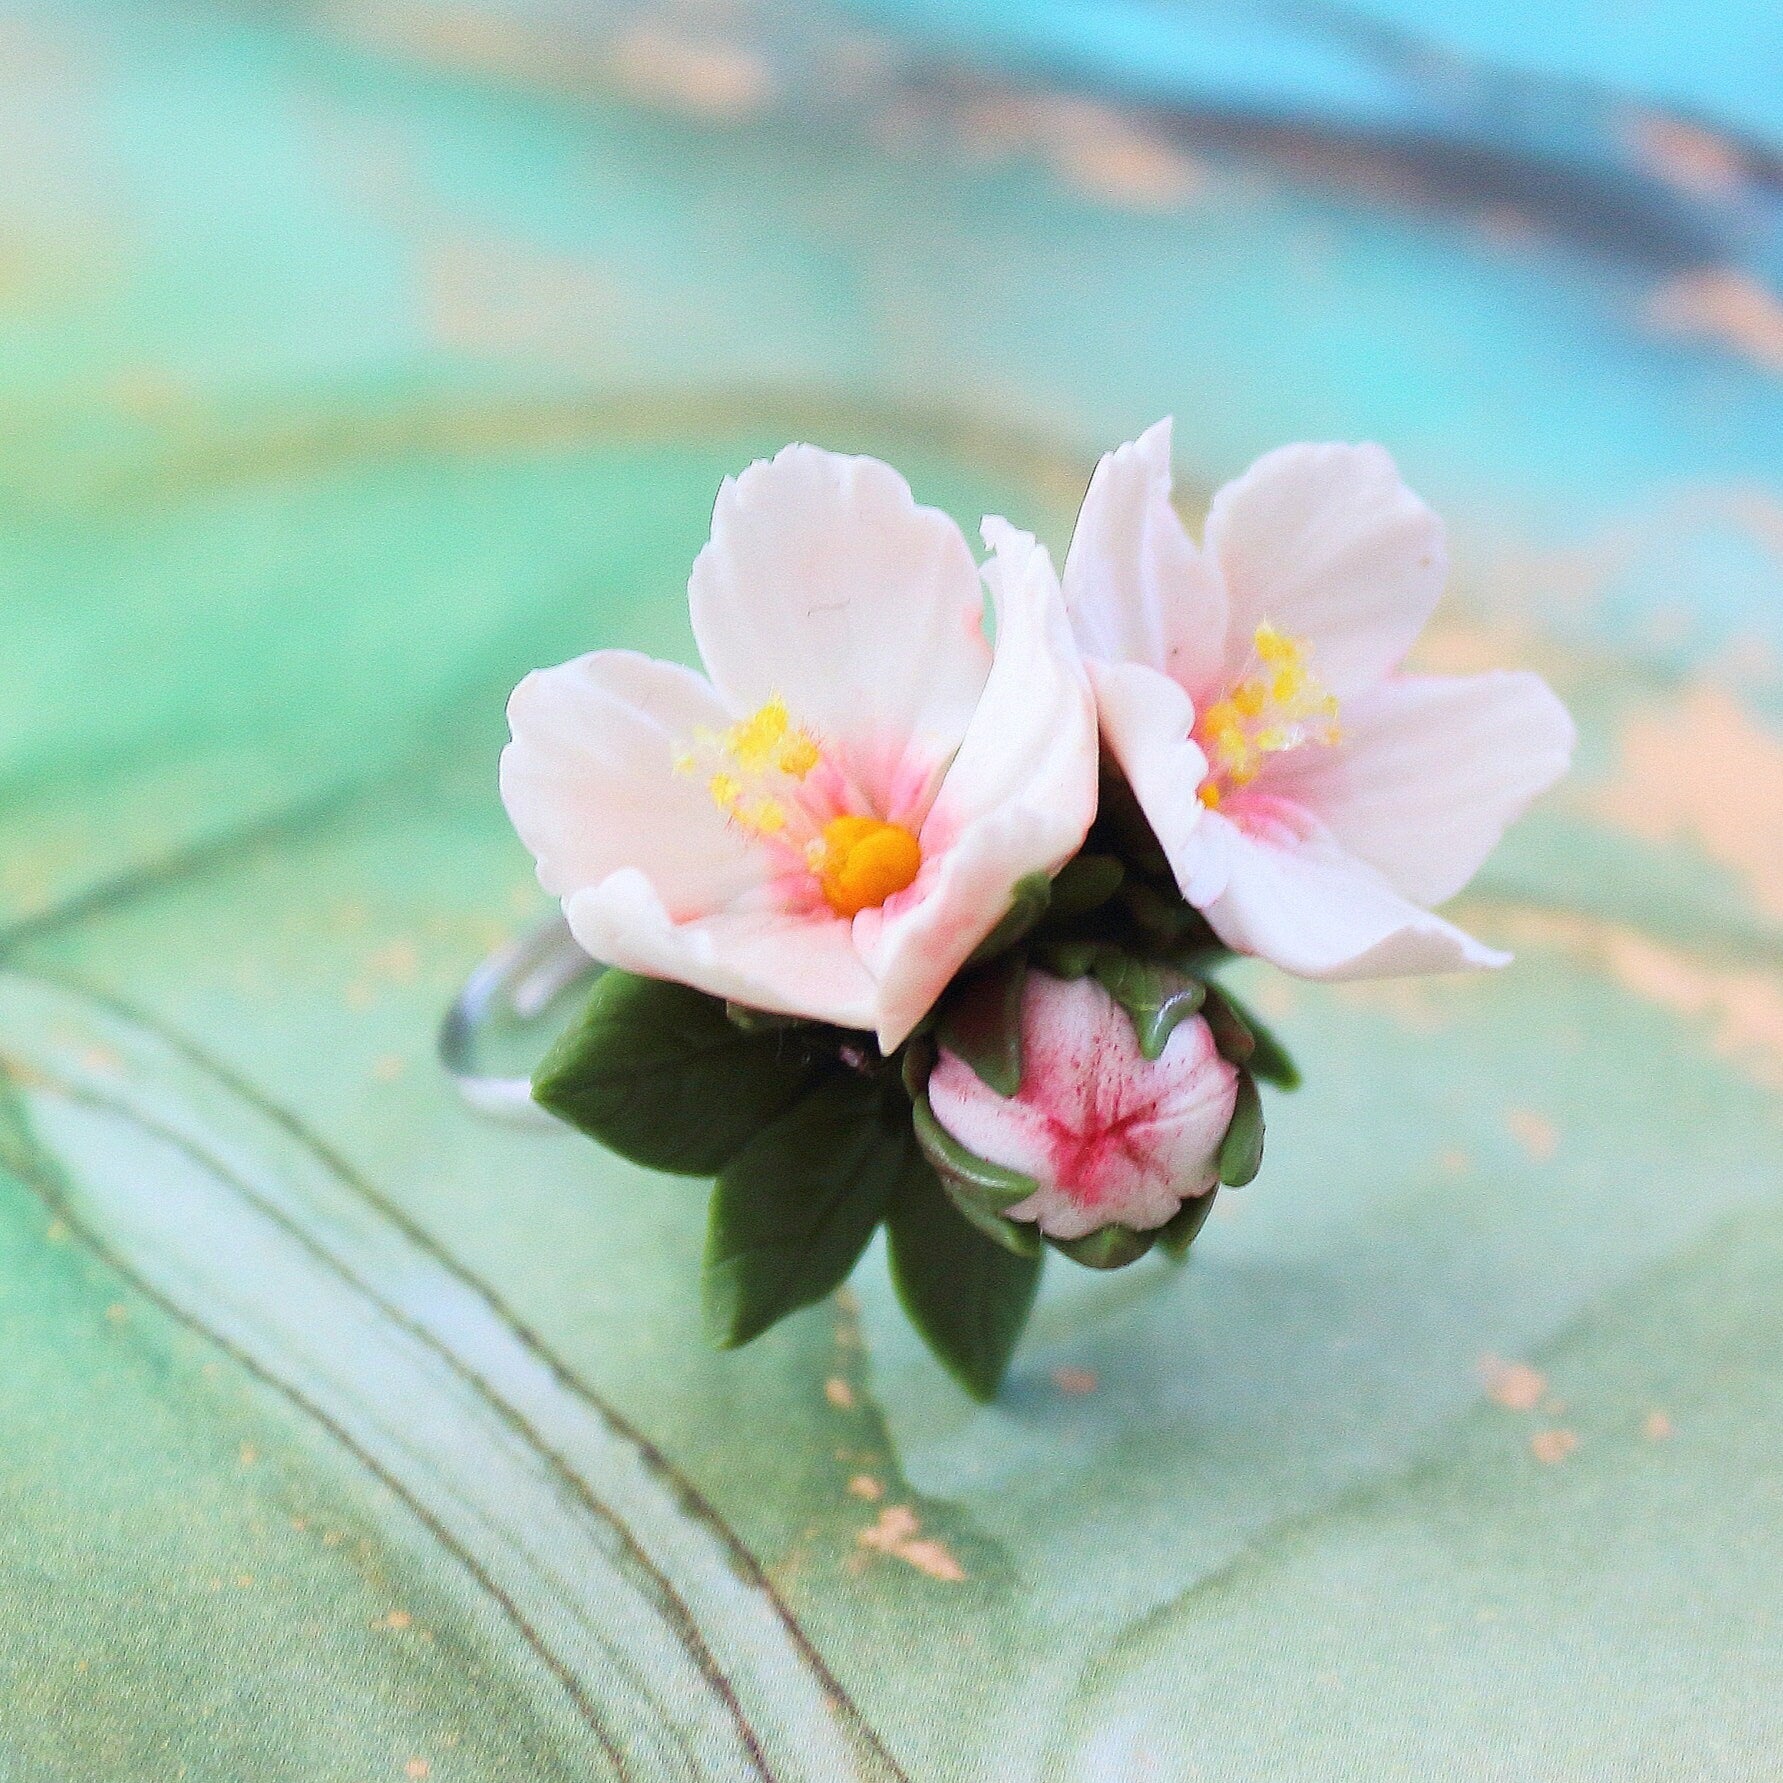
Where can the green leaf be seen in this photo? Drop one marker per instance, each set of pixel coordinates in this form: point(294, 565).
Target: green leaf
point(1109, 1247)
point(1028, 900)
point(982, 1022)
point(967, 1295)
point(1156, 997)
point(1241, 1151)
point(1269, 1059)
point(1232, 1034)
point(793, 1210)
point(1185, 1226)
point(980, 1189)
point(659, 1073)
point(1084, 883)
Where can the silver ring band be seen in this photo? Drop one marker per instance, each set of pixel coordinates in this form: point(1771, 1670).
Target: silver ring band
point(520, 980)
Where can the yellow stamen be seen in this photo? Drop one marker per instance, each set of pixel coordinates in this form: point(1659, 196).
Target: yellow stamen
point(1279, 709)
point(863, 861)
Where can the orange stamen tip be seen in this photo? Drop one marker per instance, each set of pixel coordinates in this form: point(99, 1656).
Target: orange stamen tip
point(865, 861)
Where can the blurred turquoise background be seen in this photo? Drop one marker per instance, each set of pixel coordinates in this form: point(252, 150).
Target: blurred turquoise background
point(357, 357)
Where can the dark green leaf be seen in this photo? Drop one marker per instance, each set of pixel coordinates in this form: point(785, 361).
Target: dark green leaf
point(1241, 1151)
point(1027, 904)
point(1156, 997)
point(980, 1189)
point(1185, 1227)
point(966, 1295)
point(1109, 1247)
point(1231, 1033)
point(982, 1022)
point(1084, 883)
point(1161, 914)
point(659, 1074)
point(1269, 1059)
point(793, 1210)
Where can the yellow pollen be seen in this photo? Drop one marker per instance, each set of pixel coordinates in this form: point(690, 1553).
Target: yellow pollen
point(1280, 708)
point(750, 763)
point(862, 861)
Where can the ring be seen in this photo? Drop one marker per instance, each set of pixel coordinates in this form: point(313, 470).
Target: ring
point(518, 982)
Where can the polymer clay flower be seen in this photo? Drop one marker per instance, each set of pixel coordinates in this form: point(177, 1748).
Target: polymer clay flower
point(1108, 1136)
point(830, 824)
point(1314, 801)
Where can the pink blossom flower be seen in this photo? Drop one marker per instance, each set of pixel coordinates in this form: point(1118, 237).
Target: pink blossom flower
point(1109, 1136)
point(830, 824)
point(1313, 800)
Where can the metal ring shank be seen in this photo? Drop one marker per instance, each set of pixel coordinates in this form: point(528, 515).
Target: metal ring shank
point(521, 979)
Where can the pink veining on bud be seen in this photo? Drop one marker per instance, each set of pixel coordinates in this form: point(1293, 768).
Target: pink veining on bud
point(1111, 1137)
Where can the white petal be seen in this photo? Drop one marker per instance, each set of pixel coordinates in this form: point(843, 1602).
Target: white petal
point(1294, 897)
point(589, 780)
point(1326, 544)
point(914, 952)
point(1431, 771)
point(792, 965)
point(1137, 587)
point(1018, 799)
point(1145, 720)
point(1032, 739)
point(824, 583)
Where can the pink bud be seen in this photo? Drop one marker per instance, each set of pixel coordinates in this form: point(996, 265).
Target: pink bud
point(1111, 1137)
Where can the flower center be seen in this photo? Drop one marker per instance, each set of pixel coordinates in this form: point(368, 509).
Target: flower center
point(862, 861)
point(1280, 706)
point(756, 773)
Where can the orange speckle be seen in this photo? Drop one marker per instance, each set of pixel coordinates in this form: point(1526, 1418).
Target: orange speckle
point(863, 1485)
point(898, 1533)
point(838, 1392)
point(1514, 1385)
point(1656, 1426)
point(388, 1067)
point(248, 1454)
point(416, 1767)
point(117, 1312)
point(1537, 1135)
point(1074, 1381)
point(1550, 1447)
point(1454, 1162)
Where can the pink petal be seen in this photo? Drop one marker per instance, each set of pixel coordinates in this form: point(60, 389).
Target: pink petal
point(753, 954)
point(825, 584)
point(1327, 544)
point(1137, 587)
point(1110, 1137)
point(590, 785)
point(1293, 896)
point(1431, 772)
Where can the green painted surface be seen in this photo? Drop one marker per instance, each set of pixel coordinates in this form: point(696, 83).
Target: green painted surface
point(340, 390)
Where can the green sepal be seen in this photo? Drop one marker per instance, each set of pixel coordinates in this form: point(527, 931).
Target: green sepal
point(793, 1210)
point(1108, 1247)
point(967, 1296)
point(1069, 959)
point(1156, 997)
point(1232, 1034)
point(1028, 900)
point(1162, 916)
point(1269, 1059)
point(1241, 1151)
point(981, 1022)
point(1185, 1225)
point(980, 1189)
point(660, 1074)
point(761, 1021)
point(1086, 882)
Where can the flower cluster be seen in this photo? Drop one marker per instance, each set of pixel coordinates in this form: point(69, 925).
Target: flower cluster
point(911, 914)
